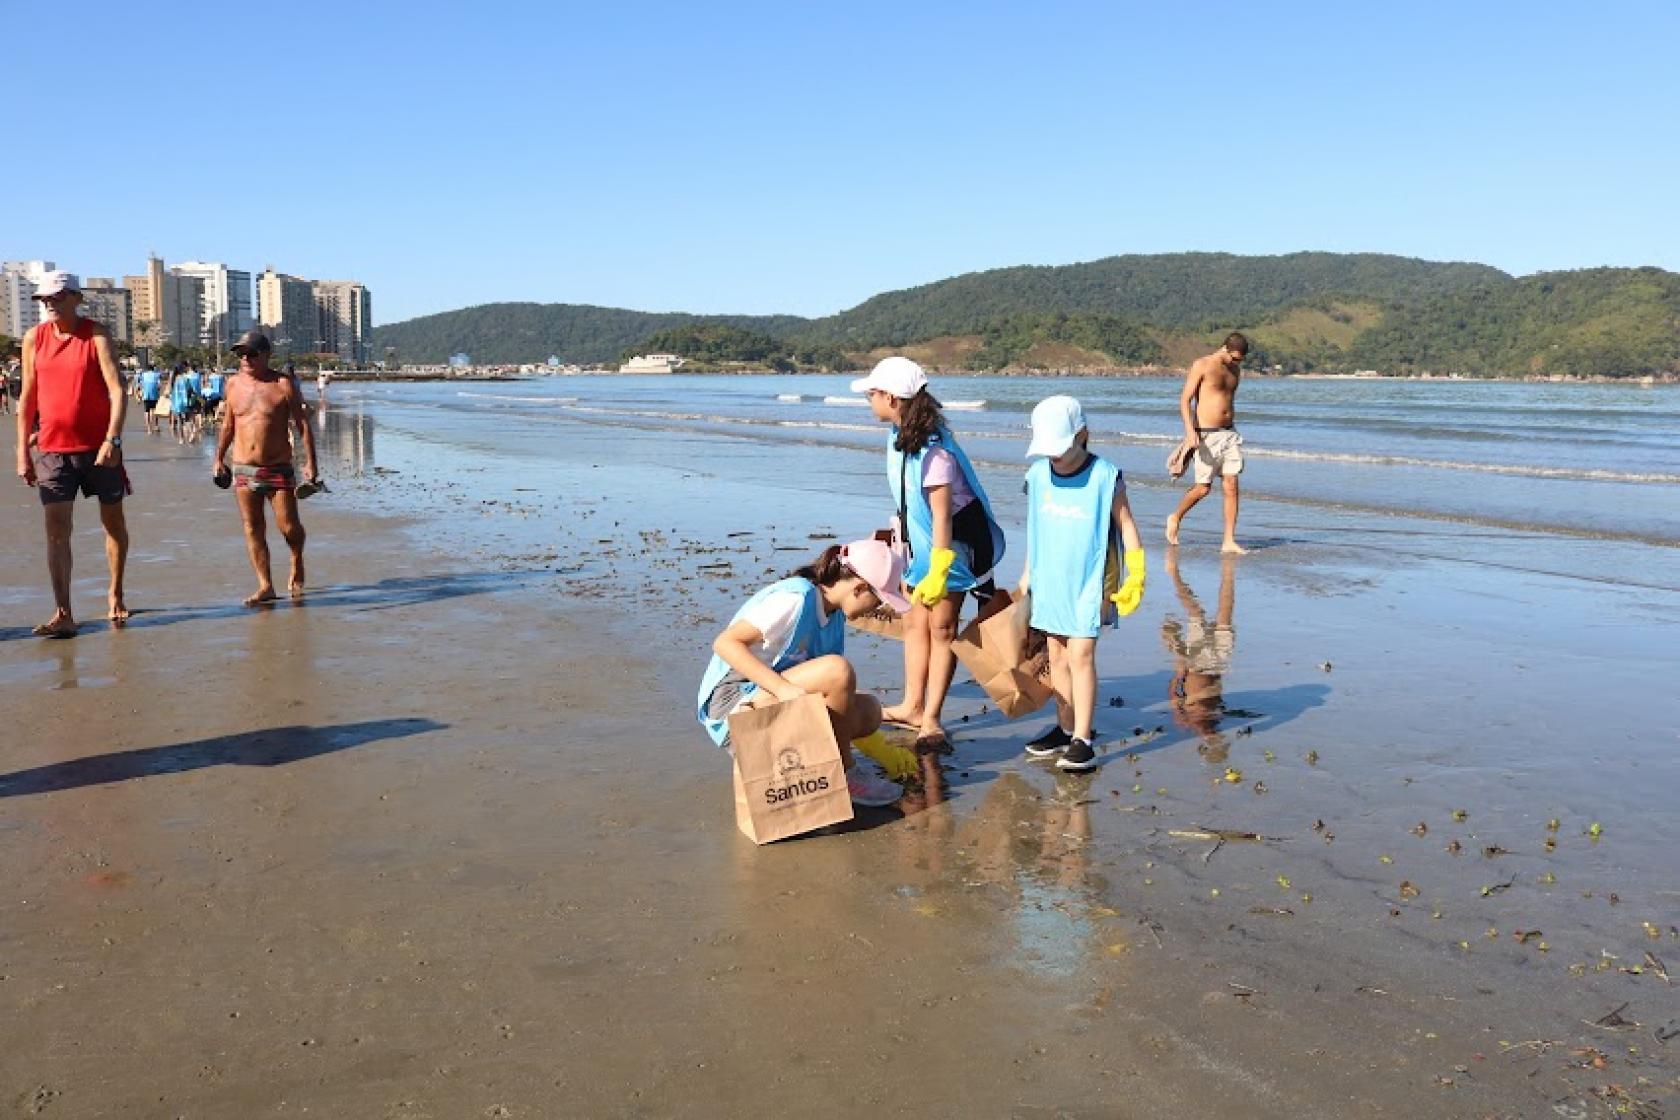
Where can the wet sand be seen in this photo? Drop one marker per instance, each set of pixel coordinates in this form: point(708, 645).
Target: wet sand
point(445, 841)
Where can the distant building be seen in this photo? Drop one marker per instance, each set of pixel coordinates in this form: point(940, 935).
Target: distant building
point(460, 361)
point(166, 306)
point(105, 302)
point(226, 310)
point(345, 311)
point(286, 309)
point(652, 363)
point(18, 281)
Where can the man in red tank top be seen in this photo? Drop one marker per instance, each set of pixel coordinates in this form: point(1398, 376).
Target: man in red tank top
point(72, 390)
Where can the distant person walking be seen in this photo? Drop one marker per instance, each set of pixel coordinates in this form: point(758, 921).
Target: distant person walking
point(6, 387)
point(263, 406)
point(73, 391)
point(1208, 406)
point(150, 388)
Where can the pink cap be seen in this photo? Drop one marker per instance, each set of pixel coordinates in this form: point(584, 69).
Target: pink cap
point(880, 567)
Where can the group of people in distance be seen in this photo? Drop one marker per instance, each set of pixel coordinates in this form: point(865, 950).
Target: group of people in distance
point(72, 404)
point(194, 399)
point(1085, 568)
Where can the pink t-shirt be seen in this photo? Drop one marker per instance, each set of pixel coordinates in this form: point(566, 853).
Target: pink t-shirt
point(939, 468)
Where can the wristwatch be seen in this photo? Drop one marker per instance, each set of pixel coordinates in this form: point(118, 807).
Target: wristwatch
point(114, 441)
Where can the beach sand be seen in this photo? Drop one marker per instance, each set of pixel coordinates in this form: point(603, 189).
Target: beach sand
point(445, 841)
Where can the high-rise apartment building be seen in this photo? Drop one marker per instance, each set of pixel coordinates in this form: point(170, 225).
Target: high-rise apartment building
point(18, 281)
point(345, 310)
point(105, 302)
point(286, 309)
point(167, 306)
point(226, 313)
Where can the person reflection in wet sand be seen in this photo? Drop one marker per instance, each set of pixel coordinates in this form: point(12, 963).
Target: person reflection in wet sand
point(1201, 657)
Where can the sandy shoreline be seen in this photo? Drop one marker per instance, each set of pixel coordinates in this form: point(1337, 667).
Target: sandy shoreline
point(445, 841)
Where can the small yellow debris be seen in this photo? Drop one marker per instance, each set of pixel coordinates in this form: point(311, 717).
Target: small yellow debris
point(1553, 825)
point(1386, 859)
point(1214, 893)
point(1306, 897)
point(1270, 757)
point(1461, 814)
point(1283, 881)
point(1595, 830)
point(1233, 775)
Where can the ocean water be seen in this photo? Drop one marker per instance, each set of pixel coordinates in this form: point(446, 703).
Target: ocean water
point(1511, 461)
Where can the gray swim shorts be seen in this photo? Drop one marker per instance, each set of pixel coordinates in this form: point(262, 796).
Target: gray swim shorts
point(1220, 455)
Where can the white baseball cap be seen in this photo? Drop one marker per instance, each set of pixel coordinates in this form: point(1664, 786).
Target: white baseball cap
point(1055, 423)
point(896, 375)
point(55, 282)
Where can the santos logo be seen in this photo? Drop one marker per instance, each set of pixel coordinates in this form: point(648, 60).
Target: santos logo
point(788, 764)
point(1051, 508)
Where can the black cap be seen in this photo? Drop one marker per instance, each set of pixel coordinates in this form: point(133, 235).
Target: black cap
point(252, 339)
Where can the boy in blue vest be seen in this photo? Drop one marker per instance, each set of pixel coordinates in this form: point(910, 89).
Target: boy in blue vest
point(1076, 508)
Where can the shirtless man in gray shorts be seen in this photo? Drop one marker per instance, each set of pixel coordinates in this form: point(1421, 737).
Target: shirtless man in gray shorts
point(1208, 406)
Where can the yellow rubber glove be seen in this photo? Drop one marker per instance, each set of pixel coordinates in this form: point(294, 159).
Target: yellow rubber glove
point(1126, 599)
point(896, 761)
point(931, 591)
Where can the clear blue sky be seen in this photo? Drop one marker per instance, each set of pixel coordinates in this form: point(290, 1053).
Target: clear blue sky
point(795, 157)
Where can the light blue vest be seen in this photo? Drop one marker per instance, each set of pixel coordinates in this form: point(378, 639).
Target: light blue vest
point(213, 385)
point(149, 384)
point(1071, 544)
point(811, 638)
point(904, 476)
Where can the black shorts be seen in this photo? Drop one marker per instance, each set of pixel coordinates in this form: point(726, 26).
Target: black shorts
point(60, 474)
point(149, 403)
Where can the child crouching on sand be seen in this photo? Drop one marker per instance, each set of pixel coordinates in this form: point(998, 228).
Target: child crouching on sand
point(789, 639)
point(1076, 505)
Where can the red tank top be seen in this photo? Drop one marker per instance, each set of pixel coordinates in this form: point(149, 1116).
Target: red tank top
point(70, 390)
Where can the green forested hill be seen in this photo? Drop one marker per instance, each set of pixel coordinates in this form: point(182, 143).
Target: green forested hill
point(1615, 322)
point(1176, 290)
point(506, 333)
point(1304, 311)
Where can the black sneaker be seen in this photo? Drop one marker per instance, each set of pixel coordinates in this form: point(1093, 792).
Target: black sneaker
point(1052, 742)
point(1078, 757)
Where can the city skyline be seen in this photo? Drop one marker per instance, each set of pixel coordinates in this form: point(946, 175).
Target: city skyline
point(204, 304)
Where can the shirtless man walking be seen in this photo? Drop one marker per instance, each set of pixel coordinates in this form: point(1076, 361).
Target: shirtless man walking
point(1208, 406)
point(262, 406)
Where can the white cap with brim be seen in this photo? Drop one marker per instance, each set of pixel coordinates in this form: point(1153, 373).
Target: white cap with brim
point(1056, 421)
point(896, 375)
point(53, 283)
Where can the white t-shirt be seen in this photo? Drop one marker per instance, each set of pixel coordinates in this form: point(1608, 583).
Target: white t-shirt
point(775, 616)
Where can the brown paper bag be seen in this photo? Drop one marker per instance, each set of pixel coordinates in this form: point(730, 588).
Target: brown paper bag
point(881, 621)
point(788, 775)
point(1011, 664)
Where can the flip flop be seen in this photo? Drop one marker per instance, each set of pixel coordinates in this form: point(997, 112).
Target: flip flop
point(934, 744)
point(310, 489)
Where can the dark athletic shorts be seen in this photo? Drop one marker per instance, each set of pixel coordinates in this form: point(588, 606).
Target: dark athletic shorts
point(59, 475)
point(149, 403)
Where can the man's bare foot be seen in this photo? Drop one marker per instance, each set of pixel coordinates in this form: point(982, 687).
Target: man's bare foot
point(1232, 548)
point(118, 612)
point(295, 584)
point(1172, 529)
point(295, 589)
point(60, 625)
point(262, 597)
point(902, 716)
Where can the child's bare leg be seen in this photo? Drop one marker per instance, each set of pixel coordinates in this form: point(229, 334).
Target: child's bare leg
point(916, 642)
point(942, 663)
point(1059, 681)
point(1080, 659)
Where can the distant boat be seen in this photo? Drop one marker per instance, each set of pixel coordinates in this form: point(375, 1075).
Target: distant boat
point(652, 363)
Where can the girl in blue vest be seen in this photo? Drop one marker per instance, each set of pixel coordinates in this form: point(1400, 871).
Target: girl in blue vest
point(946, 521)
point(790, 638)
point(1076, 508)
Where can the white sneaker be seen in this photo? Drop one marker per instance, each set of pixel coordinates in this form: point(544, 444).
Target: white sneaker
point(870, 791)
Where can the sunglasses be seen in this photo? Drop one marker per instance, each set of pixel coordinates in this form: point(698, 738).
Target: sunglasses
point(59, 298)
